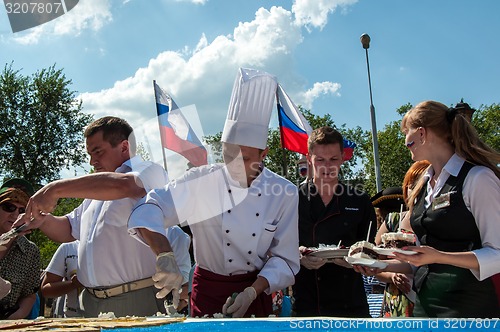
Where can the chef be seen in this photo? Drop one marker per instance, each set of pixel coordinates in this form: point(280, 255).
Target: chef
point(243, 216)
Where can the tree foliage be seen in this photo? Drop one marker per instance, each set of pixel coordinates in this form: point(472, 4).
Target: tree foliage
point(42, 125)
point(486, 120)
point(395, 159)
point(41, 133)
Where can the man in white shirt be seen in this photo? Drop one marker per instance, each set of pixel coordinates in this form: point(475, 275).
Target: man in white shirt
point(115, 269)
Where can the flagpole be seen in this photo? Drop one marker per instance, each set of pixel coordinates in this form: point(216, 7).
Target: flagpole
point(365, 41)
point(283, 152)
point(159, 128)
point(285, 166)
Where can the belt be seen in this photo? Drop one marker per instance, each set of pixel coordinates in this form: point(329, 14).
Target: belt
point(104, 293)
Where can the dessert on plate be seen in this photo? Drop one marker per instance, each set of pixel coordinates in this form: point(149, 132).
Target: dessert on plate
point(398, 239)
point(363, 249)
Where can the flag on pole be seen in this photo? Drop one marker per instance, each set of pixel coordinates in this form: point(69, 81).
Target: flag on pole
point(348, 149)
point(294, 128)
point(176, 133)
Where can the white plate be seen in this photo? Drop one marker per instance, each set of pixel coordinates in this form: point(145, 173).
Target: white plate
point(366, 262)
point(390, 251)
point(330, 253)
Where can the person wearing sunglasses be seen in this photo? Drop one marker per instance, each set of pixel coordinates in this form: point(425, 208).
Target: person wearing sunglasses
point(19, 257)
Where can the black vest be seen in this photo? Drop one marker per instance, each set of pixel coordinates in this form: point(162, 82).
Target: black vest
point(447, 225)
point(451, 226)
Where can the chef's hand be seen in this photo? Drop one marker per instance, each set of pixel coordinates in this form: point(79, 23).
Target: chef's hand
point(5, 287)
point(238, 307)
point(310, 262)
point(168, 277)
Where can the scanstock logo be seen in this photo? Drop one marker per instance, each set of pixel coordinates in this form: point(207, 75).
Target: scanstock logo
point(26, 14)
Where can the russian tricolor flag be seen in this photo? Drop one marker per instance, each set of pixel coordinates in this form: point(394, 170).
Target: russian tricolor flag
point(348, 149)
point(294, 128)
point(176, 133)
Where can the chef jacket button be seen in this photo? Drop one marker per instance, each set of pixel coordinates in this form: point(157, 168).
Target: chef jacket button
point(250, 252)
point(228, 211)
point(248, 263)
point(227, 230)
point(229, 190)
point(228, 244)
point(259, 194)
point(253, 234)
point(230, 260)
point(257, 214)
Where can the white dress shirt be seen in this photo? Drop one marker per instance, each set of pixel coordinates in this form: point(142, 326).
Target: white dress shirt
point(235, 230)
point(481, 193)
point(107, 254)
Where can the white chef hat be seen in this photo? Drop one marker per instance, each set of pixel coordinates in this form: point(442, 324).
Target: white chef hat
point(250, 108)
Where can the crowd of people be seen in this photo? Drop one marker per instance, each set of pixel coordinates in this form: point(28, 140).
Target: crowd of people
point(251, 229)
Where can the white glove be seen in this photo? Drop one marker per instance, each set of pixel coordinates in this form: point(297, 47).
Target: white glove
point(238, 307)
point(310, 262)
point(5, 287)
point(168, 277)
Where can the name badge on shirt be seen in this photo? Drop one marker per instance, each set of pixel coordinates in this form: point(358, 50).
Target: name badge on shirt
point(442, 201)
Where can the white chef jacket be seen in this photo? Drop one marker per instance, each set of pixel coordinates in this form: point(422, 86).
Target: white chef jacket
point(235, 230)
point(481, 193)
point(107, 254)
point(180, 243)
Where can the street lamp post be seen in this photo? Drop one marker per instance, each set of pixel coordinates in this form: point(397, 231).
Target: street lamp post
point(365, 41)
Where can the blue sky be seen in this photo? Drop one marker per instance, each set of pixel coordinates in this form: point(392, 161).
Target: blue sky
point(112, 50)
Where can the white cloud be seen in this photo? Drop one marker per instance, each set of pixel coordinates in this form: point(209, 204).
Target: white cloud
point(318, 89)
point(86, 15)
point(197, 2)
point(315, 12)
point(202, 43)
point(203, 77)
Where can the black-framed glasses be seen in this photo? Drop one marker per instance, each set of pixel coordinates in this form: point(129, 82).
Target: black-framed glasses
point(9, 207)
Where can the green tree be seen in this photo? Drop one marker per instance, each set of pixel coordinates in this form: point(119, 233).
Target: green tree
point(395, 159)
point(486, 120)
point(42, 125)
